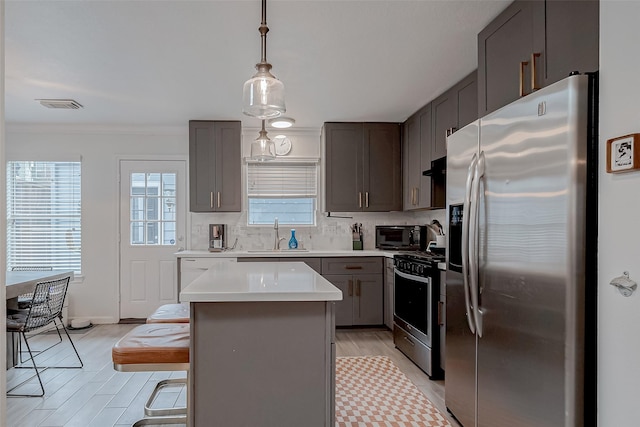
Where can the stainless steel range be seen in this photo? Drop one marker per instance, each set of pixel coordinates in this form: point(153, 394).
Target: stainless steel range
point(416, 330)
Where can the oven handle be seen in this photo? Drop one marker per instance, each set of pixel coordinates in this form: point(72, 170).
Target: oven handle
point(465, 242)
point(412, 277)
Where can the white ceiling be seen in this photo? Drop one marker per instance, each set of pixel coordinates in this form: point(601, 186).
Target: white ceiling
point(163, 63)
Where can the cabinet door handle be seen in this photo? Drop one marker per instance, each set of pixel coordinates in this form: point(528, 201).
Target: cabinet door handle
point(523, 65)
point(218, 199)
point(450, 131)
point(366, 199)
point(534, 85)
point(211, 200)
point(360, 199)
point(357, 287)
point(350, 287)
point(413, 196)
point(353, 267)
point(440, 307)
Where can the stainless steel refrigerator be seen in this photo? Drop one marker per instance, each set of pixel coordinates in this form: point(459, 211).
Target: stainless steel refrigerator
point(521, 262)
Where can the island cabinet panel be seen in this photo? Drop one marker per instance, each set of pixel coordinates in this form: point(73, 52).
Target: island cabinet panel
point(363, 167)
point(533, 44)
point(215, 166)
point(361, 281)
point(262, 364)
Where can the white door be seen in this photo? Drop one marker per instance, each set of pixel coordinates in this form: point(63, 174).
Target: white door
point(152, 229)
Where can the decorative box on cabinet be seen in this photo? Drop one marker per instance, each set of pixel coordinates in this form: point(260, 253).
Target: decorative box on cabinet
point(363, 167)
point(532, 44)
point(215, 166)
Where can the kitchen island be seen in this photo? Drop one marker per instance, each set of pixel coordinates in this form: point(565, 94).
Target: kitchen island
point(262, 346)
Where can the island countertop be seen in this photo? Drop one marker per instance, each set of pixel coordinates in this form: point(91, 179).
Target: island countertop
point(260, 281)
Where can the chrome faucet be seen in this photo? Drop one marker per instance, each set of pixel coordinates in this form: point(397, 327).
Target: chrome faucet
point(278, 239)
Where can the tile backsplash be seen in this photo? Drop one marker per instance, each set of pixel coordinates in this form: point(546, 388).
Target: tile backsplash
point(330, 233)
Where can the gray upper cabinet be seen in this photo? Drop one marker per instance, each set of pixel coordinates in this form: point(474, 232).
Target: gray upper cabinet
point(417, 158)
point(425, 139)
point(445, 122)
point(532, 44)
point(215, 166)
point(363, 167)
point(467, 96)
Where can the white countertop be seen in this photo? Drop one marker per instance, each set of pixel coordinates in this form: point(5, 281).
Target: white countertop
point(284, 253)
point(260, 281)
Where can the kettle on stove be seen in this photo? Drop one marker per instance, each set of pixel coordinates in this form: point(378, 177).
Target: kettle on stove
point(435, 237)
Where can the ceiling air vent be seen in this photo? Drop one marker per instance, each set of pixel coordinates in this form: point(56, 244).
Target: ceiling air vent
point(65, 104)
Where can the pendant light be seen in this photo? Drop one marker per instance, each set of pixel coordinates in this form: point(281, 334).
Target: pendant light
point(263, 149)
point(263, 94)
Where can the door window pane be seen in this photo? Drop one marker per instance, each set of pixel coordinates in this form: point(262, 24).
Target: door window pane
point(152, 204)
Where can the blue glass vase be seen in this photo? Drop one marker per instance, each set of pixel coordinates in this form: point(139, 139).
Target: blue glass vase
point(293, 242)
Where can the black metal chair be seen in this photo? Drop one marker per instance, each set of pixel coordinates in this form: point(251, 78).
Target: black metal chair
point(24, 300)
point(45, 309)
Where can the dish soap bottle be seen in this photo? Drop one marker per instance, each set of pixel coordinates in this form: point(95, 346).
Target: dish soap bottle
point(293, 242)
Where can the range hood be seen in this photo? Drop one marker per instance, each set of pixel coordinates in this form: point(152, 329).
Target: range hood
point(438, 174)
point(438, 167)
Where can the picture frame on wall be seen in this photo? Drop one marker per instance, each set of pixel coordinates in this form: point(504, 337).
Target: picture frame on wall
point(623, 153)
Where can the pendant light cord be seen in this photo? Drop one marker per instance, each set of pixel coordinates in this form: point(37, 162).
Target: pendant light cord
point(263, 32)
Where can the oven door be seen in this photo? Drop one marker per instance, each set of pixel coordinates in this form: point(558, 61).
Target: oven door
point(412, 305)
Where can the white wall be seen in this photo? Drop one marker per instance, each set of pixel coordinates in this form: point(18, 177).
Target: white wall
point(95, 297)
point(619, 232)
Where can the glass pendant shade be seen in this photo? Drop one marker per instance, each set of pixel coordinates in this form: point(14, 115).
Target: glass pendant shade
point(263, 94)
point(263, 149)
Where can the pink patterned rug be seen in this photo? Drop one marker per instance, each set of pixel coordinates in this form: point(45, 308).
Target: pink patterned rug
point(372, 392)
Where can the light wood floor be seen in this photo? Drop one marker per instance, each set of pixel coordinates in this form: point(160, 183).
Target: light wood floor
point(97, 395)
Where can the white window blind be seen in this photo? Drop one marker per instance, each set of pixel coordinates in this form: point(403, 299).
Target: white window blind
point(44, 215)
point(282, 180)
point(287, 191)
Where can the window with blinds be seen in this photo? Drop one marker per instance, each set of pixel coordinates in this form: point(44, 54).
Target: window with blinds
point(44, 215)
point(287, 191)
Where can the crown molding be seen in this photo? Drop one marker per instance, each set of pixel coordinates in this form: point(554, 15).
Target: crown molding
point(95, 129)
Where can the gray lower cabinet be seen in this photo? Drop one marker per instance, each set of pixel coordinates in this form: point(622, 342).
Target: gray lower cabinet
point(363, 167)
point(389, 279)
point(264, 363)
point(313, 262)
point(532, 44)
point(361, 282)
point(215, 166)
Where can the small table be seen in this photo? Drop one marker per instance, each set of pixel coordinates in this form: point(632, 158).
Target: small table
point(22, 282)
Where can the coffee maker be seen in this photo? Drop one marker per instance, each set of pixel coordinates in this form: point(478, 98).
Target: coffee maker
point(217, 238)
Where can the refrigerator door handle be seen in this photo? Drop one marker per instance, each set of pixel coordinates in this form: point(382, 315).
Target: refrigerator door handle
point(473, 238)
point(465, 242)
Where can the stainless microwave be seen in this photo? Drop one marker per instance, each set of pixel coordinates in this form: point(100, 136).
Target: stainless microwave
point(401, 237)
